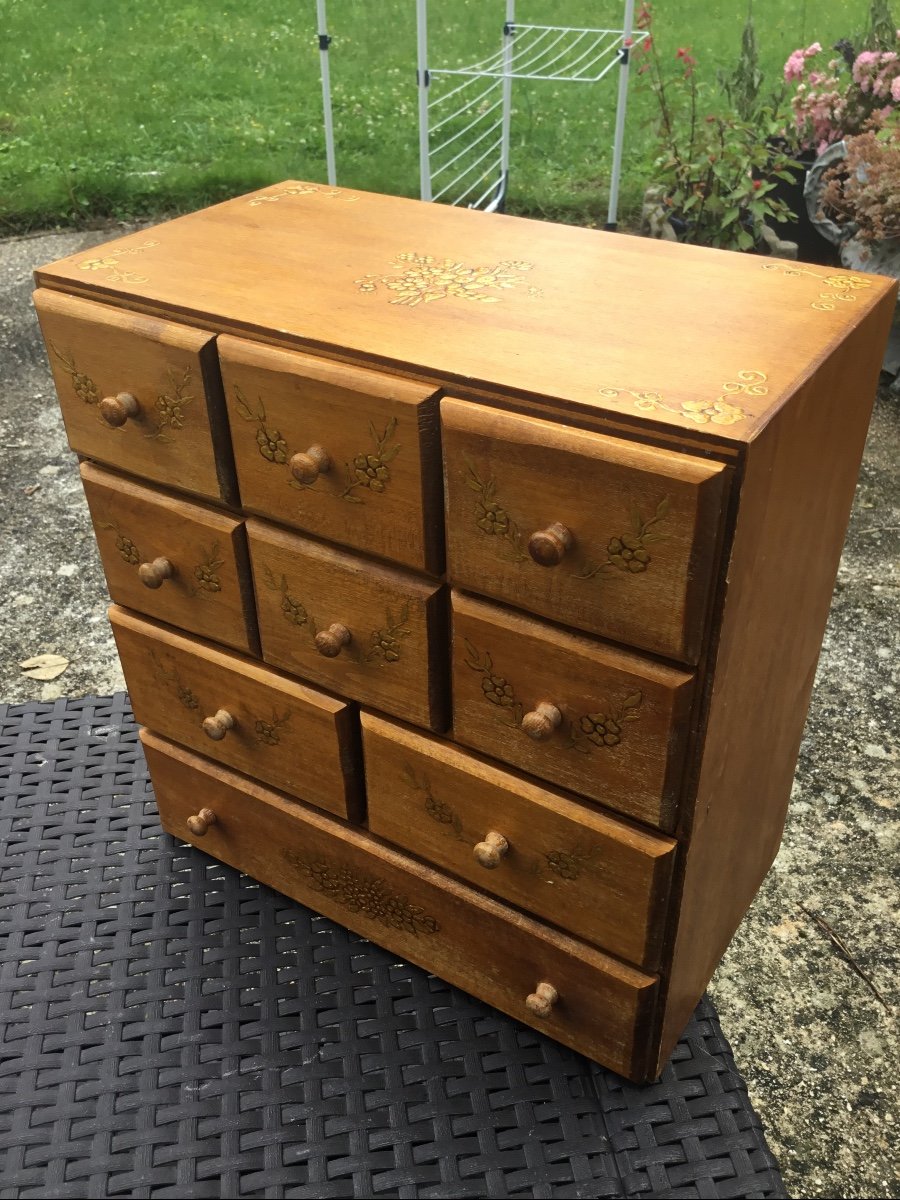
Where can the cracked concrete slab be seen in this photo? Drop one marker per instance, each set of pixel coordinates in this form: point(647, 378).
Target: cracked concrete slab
point(818, 1048)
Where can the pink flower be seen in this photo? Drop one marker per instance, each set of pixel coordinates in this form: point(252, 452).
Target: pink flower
point(895, 89)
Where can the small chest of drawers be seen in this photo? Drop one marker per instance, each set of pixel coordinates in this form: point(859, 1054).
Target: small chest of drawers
point(469, 573)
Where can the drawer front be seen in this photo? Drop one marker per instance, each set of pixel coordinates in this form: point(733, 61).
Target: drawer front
point(608, 536)
point(604, 1008)
point(175, 430)
point(241, 714)
point(595, 877)
point(368, 632)
point(594, 719)
point(180, 562)
point(346, 453)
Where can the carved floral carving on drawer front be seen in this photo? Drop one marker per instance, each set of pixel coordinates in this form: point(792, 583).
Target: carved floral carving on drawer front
point(170, 677)
point(602, 729)
point(421, 278)
point(360, 892)
point(370, 469)
point(265, 732)
point(491, 516)
point(385, 644)
point(567, 864)
point(207, 580)
point(83, 386)
point(125, 546)
point(169, 405)
point(627, 552)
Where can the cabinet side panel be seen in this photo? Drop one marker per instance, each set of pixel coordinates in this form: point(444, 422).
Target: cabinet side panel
point(795, 504)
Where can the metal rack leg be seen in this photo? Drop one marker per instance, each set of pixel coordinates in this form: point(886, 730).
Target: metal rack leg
point(423, 81)
point(324, 43)
point(616, 173)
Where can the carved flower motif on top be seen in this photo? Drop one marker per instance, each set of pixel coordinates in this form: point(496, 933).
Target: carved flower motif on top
point(422, 278)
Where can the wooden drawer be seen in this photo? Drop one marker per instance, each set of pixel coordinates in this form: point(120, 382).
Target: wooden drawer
point(604, 1007)
point(177, 433)
point(603, 534)
point(590, 717)
point(595, 877)
point(310, 598)
point(346, 453)
point(241, 714)
point(140, 530)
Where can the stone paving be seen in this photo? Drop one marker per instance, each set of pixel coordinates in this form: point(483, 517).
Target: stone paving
point(818, 1048)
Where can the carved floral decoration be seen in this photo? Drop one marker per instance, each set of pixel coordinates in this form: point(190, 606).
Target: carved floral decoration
point(361, 893)
point(840, 288)
point(422, 278)
point(627, 552)
point(109, 263)
point(369, 470)
point(565, 864)
point(718, 411)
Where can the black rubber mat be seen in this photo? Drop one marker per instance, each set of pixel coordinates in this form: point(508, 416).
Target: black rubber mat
point(173, 1028)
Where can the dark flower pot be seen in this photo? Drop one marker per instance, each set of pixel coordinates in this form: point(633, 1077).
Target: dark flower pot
point(811, 245)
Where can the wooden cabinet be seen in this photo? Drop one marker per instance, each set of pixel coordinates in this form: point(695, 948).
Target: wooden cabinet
point(509, 546)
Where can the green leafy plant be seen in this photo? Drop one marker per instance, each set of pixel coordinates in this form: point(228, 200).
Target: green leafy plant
point(717, 170)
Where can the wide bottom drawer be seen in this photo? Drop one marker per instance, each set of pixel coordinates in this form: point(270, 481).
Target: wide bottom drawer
point(568, 990)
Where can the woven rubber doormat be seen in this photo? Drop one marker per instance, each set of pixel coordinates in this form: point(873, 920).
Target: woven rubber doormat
point(171, 1028)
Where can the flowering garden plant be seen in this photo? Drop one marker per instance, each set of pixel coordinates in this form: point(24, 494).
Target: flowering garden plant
point(716, 169)
point(852, 92)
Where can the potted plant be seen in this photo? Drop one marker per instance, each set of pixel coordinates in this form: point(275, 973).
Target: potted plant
point(716, 171)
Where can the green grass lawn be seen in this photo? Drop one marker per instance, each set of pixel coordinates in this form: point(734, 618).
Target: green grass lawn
point(115, 109)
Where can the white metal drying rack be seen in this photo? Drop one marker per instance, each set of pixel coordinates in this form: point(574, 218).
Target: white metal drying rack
point(464, 149)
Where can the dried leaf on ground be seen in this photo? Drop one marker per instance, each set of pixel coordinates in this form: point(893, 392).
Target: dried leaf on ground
point(44, 666)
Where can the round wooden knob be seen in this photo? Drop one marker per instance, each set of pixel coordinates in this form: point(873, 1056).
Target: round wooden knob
point(115, 410)
point(216, 727)
point(154, 573)
point(331, 641)
point(541, 722)
point(540, 1002)
point(199, 824)
point(491, 850)
point(306, 468)
point(548, 546)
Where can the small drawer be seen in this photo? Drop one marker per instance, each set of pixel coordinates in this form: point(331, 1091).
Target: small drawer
point(369, 632)
point(349, 454)
point(592, 718)
point(594, 876)
point(241, 714)
point(180, 562)
point(562, 987)
point(139, 393)
point(593, 531)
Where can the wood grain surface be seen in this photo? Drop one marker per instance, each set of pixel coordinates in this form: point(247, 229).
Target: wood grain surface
point(178, 434)
point(625, 534)
point(209, 590)
point(282, 733)
point(395, 658)
point(650, 332)
point(380, 488)
point(595, 877)
point(475, 943)
point(621, 737)
point(795, 504)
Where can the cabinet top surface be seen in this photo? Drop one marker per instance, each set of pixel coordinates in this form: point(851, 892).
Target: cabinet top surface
point(679, 336)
